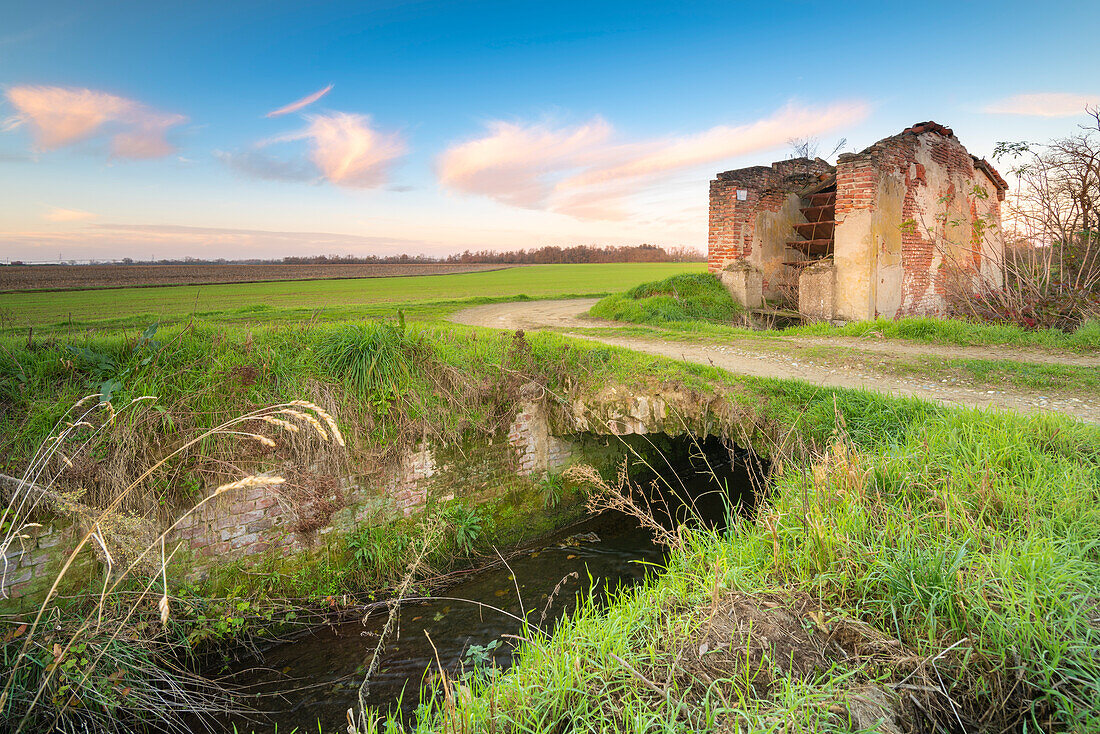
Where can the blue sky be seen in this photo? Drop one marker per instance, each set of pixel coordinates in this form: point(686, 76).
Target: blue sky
point(128, 129)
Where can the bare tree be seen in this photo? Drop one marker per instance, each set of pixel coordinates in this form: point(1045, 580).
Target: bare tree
point(1052, 227)
point(809, 147)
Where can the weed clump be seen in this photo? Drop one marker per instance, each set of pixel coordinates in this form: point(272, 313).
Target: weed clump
point(679, 299)
point(377, 358)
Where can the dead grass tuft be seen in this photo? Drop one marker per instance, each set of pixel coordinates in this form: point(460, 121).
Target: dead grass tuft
point(753, 640)
point(313, 498)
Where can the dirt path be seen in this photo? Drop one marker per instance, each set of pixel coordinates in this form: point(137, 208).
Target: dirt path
point(787, 357)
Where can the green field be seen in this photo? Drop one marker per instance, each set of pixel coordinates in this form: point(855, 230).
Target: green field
point(329, 300)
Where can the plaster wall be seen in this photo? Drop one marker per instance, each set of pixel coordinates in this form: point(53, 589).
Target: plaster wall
point(906, 210)
point(771, 231)
point(948, 196)
point(867, 248)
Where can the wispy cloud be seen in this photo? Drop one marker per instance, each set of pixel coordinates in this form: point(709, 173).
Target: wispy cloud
point(1043, 104)
point(349, 152)
point(344, 149)
point(57, 214)
point(586, 172)
point(258, 163)
point(301, 103)
point(61, 116)
point(110, 240)
point(514, 162)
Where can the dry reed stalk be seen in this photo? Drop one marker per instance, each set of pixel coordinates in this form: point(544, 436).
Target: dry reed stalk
point(17, 506)
point(285, 425)
point(309, 419)
point(619, 497)
point(328, 419)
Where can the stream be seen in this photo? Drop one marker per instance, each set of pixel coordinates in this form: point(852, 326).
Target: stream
point(310, 682)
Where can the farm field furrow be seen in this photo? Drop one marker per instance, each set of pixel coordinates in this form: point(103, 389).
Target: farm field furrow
point(83, 277)
point(332, 299)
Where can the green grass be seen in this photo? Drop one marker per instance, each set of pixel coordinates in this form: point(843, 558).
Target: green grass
point(681, 299)
point(698, 306)
point(326, 300)
point(1034, 377)
point(942, 525)
point(390, 386)
point(955, 331)
point(968, 537)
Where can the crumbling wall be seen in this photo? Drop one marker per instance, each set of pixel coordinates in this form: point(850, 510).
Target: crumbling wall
point(752, 213)
point(911, 210)
point(918, 219)
point(247, 524)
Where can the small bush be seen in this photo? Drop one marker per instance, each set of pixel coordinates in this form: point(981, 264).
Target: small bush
point(375, 357)
point(466, 525)
point(681, 298)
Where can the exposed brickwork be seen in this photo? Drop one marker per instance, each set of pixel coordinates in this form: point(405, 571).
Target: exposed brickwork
point(924, 281)
point(30, 564)
point(931, 167)
point(409, 488)
point(245, 523)
point(537, 449)
point(766, 189)
point(238, 524)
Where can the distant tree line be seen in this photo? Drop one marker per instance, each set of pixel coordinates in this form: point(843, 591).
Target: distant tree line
point(550, 254)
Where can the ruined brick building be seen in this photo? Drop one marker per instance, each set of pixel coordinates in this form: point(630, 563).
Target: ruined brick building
point(889, 231)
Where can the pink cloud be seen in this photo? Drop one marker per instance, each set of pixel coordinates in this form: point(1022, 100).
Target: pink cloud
point(513, 161)
point(1043, 104)
point(349, 152)
point(583, 171)
point(301, 103)
point(344, 148)
point(61, 116)
point(56, 214)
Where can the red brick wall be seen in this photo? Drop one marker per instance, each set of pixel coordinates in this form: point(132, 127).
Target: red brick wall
point(733, 222)
point(924, 282)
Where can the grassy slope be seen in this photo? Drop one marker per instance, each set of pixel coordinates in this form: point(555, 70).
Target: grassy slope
point(959, 530)
point(949, 524)
point(202, 374)
point(679, 299)
point(638, 306)
point(292, 301)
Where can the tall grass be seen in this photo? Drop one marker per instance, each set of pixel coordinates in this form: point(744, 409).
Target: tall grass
point(99, 661)
point(375, 357)
point(961, 553)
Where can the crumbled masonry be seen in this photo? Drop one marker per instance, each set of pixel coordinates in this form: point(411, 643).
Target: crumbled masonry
point(887, 232)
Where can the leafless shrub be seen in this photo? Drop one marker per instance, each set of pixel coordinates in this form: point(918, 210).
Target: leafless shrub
point(313, 498)
point(1050, 267)
point(809, 147)
point(619, 496)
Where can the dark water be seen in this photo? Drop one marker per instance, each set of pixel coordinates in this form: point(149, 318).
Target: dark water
point(315, 679)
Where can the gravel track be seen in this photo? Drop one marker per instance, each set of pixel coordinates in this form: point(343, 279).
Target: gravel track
point(787, 358)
